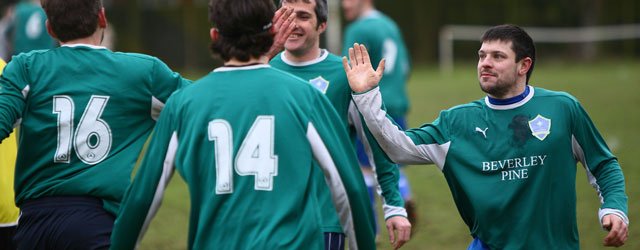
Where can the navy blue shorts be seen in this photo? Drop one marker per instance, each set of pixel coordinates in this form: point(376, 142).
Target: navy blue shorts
point(6, 237)
point(65, 222)
point(333, 241)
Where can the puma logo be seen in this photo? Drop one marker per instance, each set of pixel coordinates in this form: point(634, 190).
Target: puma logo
point(484, 132)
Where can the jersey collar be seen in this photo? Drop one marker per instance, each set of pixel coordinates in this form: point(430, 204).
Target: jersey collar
point(83, 45)
point(226, 69)
point(323, 55)
point(510, 103)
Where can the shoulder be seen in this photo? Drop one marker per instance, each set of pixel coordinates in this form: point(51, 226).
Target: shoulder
point(555, 97)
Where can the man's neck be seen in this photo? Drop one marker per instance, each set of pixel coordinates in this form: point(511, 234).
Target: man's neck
point(95, 39)
point(304, 57)
point(234, 62)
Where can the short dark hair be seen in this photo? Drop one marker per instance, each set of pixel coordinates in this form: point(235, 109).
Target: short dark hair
point(321, 9)
point(72, 19)
point(521, 42)
point(243, 26)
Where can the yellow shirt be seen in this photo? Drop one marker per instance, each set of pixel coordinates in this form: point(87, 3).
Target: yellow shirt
point(8, 150)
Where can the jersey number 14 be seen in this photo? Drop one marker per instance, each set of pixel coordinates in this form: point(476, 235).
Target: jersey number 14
point(255, 156)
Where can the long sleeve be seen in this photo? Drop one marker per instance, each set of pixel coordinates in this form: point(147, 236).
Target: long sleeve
point(14, 89)
point(387, 173)
point(424, 145)
point(602, 167)
point(142, 199)
point(342, 174)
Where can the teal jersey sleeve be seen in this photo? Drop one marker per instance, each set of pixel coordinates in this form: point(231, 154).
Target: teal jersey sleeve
point(387, 172)
point(344, 162)
point(143, 197)
point(12, 101)
point(603, 170)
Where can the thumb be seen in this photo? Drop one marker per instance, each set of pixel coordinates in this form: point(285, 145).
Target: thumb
point(606, 223)
point(380, 69)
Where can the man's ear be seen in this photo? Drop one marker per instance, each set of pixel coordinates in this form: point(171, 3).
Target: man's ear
point(102, 19)
point(322, 27)
point(524, 66)
point(214, 33)
point(50, 30)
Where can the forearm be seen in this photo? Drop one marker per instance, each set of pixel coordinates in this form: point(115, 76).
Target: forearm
point(396, 144)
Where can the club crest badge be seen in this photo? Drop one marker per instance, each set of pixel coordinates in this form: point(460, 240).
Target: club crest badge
point(320, 84)
point(540, 127)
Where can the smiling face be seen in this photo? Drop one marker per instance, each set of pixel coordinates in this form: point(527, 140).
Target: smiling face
point(499, 74)
point(306, 36)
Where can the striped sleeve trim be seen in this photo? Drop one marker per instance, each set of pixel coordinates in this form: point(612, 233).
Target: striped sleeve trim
point(167, 172)
point(332, 177)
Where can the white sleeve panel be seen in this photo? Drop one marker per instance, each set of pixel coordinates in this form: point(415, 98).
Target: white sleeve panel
point(398, 146)
point(355, 120)
point(332, 177)
point(167, 172)
point(578, 154)
point(156, 107)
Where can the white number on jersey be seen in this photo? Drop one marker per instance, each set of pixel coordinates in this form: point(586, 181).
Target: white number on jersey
point(390, 53)
point(92, 139)
point(255, 156)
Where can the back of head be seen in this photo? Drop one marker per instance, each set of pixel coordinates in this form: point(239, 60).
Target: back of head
point(521, 42)
point(243, 26)
point(72, 19)
point(321, 9)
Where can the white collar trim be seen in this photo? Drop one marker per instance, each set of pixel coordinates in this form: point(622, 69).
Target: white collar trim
point(511, 106)
point(83, 45)
point(250, 67)
point(324, 56)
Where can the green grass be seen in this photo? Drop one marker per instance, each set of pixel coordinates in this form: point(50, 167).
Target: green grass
point(609, 91)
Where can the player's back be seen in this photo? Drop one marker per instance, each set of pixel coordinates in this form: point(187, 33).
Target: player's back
point(86, 114)
point(253, 124)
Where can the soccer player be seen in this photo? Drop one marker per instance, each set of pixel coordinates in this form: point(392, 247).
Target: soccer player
point(248, 140)
point(380, 34)
point(8, 210)
point(29, 30)
point(304, 58)
point(509, 158)
point(84, 114)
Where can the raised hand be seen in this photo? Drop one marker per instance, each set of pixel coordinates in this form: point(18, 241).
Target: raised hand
point(283, 25)
point(360, 73)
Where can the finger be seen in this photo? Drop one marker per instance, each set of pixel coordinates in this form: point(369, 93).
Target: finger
point(352, 57)
point(392, 233)
point(606, 223)
point(365, 54)
point(614, 238)
point(380, 70)
point(345, 64)
point(356, 48)
point(404, 236)
point(279, 17)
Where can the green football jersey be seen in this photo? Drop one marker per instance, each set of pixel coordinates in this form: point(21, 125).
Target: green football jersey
point(85, 113)
point(511, 168)
point(30, 31)
point(246, 140)
point(383, 39)
point(326, 74)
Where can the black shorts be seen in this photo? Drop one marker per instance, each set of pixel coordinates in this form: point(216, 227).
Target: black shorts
point(64, 222)
point(333, 241)
point(6, 237)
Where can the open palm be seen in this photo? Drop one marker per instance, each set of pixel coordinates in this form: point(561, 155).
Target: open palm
point(360, 73)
